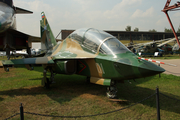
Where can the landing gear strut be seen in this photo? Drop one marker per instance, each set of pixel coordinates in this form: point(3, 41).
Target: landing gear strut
point(8, 53)
point(47, 81)
point(52, 77)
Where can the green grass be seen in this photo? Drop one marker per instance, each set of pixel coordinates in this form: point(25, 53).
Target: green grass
point(3, 58)
point(72, 96)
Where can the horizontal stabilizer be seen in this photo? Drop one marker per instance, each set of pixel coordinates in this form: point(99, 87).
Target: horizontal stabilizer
point(22, 11)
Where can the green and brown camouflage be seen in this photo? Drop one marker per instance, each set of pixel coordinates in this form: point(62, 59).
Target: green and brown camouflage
point(89, 52)
point(48, 40)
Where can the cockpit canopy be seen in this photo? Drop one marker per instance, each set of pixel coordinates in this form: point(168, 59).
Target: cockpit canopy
point(8, 2)
point(96, 41)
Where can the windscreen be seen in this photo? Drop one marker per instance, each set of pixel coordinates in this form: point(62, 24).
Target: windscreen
point(113, 46)
point(93, 38)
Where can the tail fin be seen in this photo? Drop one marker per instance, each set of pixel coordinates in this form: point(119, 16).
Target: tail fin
point(48, 40)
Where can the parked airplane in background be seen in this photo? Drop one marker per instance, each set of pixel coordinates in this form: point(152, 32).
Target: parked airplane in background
point(99, 56)
point(10, 38)
point(150, 48)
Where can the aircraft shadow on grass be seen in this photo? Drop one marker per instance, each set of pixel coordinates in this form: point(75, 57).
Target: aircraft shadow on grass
point(66, 89)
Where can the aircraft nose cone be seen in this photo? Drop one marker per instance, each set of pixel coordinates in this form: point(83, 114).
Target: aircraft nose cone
point(136, 68)
point(149, 69)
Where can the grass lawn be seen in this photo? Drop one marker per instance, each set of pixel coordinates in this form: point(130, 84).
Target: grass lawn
point(72, 96)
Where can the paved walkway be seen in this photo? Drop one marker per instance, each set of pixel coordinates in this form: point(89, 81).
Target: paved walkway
point(171, 69)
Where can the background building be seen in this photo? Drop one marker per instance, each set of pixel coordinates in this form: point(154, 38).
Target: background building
point(125, 35)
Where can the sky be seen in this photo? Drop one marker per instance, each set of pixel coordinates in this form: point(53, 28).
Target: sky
point(99, 14)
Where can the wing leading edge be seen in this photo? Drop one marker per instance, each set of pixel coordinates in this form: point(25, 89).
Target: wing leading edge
point(38, 60)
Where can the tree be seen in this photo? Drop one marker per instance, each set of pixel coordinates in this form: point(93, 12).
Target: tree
point(136, 29)
point(178, 31)
point(153, 30)
point(168, 30)
point(128, 28)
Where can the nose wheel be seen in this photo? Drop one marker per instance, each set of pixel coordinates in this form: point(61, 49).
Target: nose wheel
point(111, 92)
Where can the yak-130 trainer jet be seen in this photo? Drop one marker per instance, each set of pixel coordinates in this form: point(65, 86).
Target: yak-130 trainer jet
point(88, 52)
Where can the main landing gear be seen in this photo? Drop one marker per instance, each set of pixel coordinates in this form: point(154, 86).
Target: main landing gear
point(47, 81)
point(112, 91)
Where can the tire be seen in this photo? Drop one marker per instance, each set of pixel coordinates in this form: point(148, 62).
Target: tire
point(47, 84)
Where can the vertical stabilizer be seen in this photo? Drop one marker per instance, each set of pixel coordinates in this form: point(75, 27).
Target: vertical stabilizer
point(48, 40)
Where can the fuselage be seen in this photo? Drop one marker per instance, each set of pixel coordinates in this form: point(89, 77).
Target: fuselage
point(101, 55)
point(7, 16)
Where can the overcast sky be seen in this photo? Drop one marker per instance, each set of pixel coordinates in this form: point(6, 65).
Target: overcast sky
point(100, 14)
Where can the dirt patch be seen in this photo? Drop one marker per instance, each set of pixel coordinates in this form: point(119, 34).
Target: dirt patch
point(2, 70)
point(88, 96)
point(5, 74)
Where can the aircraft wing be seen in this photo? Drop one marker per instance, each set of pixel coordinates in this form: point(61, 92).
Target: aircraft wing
point(65, 55)
point(38, 39)
point(27, 61)
point(171, 40)
point(22, 11)
point(17, 40)
point(148, 43)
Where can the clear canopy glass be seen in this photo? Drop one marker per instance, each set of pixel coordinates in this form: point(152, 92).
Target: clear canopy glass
point(95, 41)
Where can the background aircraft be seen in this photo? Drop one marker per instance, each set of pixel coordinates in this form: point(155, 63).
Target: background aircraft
point(99, 56)
point(10, 38)
point(150, 48)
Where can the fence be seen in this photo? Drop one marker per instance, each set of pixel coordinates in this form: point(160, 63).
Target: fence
point(157, 106)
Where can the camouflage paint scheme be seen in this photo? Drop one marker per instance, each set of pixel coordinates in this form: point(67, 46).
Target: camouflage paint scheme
point(88, 52)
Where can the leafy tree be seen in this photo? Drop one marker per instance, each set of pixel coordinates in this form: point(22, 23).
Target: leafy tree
point(153, 30)
point(136, 29)
point(128, 28)
point(178, 31)
point(168, 30)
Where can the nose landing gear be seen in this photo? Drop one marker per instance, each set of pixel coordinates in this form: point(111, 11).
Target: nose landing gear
point(111, 92)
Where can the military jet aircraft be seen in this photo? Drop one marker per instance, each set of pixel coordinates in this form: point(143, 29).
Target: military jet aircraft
point(149, 48)
point(99, 56)
point(10, 38)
